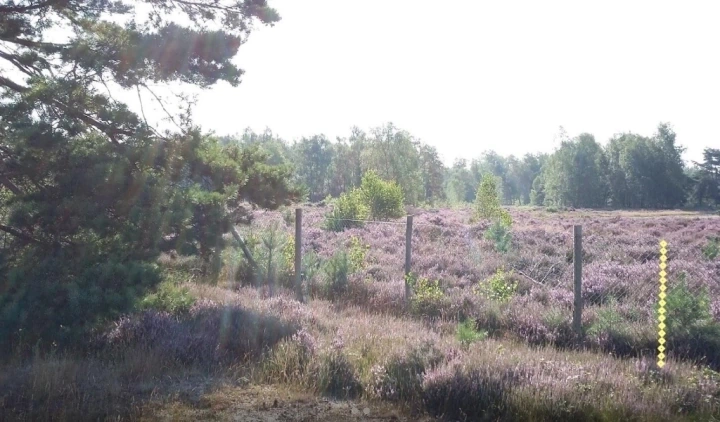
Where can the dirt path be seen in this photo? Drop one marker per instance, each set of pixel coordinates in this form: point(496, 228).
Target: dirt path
point(274, 404)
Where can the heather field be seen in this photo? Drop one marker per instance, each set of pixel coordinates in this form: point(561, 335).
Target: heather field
point(487, 335)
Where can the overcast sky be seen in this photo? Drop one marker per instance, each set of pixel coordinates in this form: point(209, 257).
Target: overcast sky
point(466, 76)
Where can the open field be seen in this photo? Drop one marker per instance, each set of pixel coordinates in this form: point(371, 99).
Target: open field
point(359, 353)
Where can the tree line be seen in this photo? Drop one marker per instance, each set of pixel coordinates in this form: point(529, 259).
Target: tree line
point(629, 171)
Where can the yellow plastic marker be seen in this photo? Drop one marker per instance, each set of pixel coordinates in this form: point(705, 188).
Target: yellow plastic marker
point(661, 309)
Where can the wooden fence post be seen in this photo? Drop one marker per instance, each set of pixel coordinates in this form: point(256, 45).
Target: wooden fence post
point(577, 279)
point(298, 254)
point(408, 256)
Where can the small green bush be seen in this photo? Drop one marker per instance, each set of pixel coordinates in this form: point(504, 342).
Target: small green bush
point(466, 333)
point(487, 202)
point(311, 265)
point(428, 298)
point(685, 309)
point(383, 199)
point(337, 270)
point(608, 320)
point(699, 343)
point(273, 251)
point(57, 300)
point(288, 261)
point(169, 297)
point(357, 253)
point(712, 249)
point(498, 287)
point(288, 215)
point(500, 235)
point(348, 211)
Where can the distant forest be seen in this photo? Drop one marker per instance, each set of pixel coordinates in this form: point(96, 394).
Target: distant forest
point(629, 171)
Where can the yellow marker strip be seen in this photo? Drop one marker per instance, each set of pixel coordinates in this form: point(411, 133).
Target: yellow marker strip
point(661, 310)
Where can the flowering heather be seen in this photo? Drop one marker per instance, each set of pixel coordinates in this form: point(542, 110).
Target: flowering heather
point(620, 254)
point(209, 335)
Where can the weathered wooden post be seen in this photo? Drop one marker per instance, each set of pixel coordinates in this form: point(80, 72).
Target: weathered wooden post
point(577, 279)
point(298, 255)
point(408, 256)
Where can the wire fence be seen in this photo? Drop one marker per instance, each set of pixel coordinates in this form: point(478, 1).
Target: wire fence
point(609, 285)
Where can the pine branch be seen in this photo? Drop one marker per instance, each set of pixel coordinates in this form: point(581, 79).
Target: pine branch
point(90, 121)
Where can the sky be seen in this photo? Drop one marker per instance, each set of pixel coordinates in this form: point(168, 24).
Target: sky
point(468, 76)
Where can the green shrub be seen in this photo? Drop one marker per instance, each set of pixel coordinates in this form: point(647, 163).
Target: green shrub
point(56, 300)
point(699, 343)
point(712, 249)
point(288, 255)
point(288, 215)
point(273, 251)
point(348, 211)
point(357, 253)
point(311, 265)
point(337, 270)
point(466, 333)
point(612, 332)
point(383, 199)
point(500, 235)
point(487, 202)
point(685, 309)
point(169, 297)
point(498, 287)
point(427, 298)
point(608, 320)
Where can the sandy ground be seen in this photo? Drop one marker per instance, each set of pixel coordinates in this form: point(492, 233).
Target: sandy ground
point(274, 404)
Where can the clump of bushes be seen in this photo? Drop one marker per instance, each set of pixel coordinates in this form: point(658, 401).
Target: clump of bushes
point(487, 202)
point(711, 250)
point(58, 300)
point(273, 251)
point(499, 287)
point(487, 206)
point(428, 298)
point(466, 333)
point(685, 309)
point(500, 236)
point(170, 298)
point(691, 330)
point(376, 199)
point(357, 253)
point(384, 199)
point(611, 332)
point(349, 210)
point(336, 270)
point(210, 334)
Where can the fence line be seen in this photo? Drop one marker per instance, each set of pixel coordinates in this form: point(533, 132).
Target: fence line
point(591, 295)
point(396, 223)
